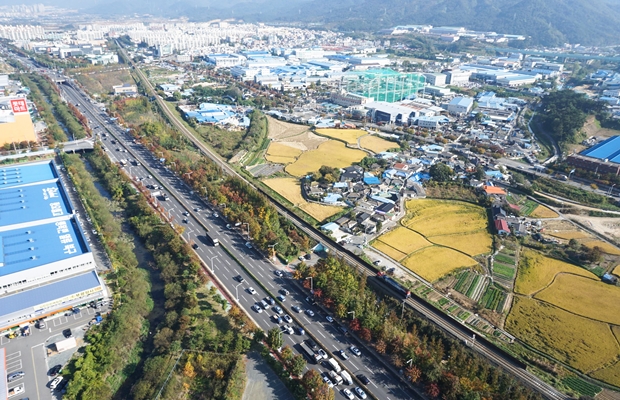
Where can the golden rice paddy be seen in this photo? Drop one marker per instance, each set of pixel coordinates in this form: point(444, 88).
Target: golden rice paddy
point(348, 135)
point(290, 189)
point(434, 262)
point(376, 144)
point(331, 153)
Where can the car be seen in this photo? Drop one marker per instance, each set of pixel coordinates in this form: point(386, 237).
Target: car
point(215, 215)
point(329, 319)
point(55, 382)
point(270, 301)
point(198, 209)
point(360, 392)
point(12, 335)
point(312, 344)
point(310, 300)
point(310, 313)
point(344, 330)
point(355, 351)
point(281, 298)
point(185, 220)
point(251, 290)
point(297, 309)
point(276, 318)
point(377, 262)
point(343, 354)
point(300, 330)
point(62, 385)
point(308, 256)
point(14, 376)
point(278, 309)
point(248, 245)
point(257, 308)
point(284, 292)
point(41, 324)
point(287, 329)
point(195, 246)
point(67, 333)
point(239, 279)
point(186, 213)
point(348, 394)
point(54, 370)
point(288, 318)
point(278, 273)
point(322, 354)
point(228, 226)
point(363, 378)
point(328, 381)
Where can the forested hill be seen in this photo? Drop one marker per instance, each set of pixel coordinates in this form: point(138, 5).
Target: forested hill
point(548, 22)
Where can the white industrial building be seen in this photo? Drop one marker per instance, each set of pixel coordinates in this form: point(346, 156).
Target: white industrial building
point(460, 105)
point(435, 79)
point(457, 77)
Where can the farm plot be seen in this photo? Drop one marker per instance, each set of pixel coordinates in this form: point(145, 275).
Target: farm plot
point(472, 244)
point(537, 271)
point(609, 374)
point(582, 387)
point(504, 271)
point(543, 212)
point(433, 262)
point(347, 135)
point(376, 144)
point(589, 298)
point(522, 204)
point(604, 246)
point(279, 129)
point(494, 299)
point(404, 240)
point(580, 342)
point(440, 217)
point(470, 284)
point(282, 153)
point(290, 189)
point(331, 153)
point(389, 250)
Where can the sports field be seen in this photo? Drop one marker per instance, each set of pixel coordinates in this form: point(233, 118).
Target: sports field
point(331, 153)
point(434, 262)
point(348, 135)
point(290, 189)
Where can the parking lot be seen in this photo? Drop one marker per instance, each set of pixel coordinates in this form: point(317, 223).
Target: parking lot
point(35, 354)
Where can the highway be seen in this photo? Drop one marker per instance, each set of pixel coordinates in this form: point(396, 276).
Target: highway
point(383, 385)
point(462, 333)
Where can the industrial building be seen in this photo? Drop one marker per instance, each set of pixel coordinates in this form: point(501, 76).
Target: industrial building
point(15, 122)
point(383, 84)
point(46, 264)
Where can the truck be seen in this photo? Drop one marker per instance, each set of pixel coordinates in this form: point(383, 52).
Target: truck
point(212, 240)
point(14, 391)
point(309, 352)
point(336, 379)
point(156, 193)
point(334, 364)
point(165, 196)
point(347, 378)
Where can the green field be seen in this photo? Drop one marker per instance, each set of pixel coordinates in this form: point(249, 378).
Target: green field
point(505, 259)
point(493, 299)
point(504, 271)
point(582, 387)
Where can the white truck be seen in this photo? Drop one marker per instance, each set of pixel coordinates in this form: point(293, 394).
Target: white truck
point(336, 379)
point(347, 378)
point(334, 364)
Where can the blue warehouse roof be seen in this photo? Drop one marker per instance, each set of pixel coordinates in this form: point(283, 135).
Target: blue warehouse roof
point(606, 150)
point(25, 248)
point(32, 203)
point(17, 175)
point(35, 299)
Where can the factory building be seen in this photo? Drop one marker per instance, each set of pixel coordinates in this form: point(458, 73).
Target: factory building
point(46, 264)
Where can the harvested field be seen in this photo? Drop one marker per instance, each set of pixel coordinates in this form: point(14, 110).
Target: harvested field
point(543, 212)
point(282, 153)
point(586, 297)
point(290, 189)
point(279, 129)
point(404, 240)
point(332, 153)
point(444, 217)
point(604, 246)
point(568, 235)
point(472, 244)
point(434, 262)
point(376, 144)
point(348, 135)
point(101, 79)
point(582, 343)
point(537, 271)
point(389, 250)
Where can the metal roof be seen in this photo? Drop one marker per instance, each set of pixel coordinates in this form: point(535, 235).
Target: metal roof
point(33, 300)
point(25, 248)
point(606, 150)
point(34, 202)
point(17, 175)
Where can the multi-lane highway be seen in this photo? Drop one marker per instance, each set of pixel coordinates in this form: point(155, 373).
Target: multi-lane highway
point(188, 210)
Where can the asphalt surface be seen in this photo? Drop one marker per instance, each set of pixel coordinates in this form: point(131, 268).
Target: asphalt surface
point(181, 200)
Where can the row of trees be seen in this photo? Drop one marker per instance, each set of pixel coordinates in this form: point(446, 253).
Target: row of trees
point(54, 133)
point(443, 367)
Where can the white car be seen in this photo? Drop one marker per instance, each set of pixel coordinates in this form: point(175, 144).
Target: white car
point(55, 382)
point(251, 290)
point(257, 308)
point(360, 392)
point(288, 318)
point(248, 245)
point(348, 394)
point(328, 381)
point(278, 309)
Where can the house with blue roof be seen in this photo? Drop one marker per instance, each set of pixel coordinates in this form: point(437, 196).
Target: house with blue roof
point(370, 179)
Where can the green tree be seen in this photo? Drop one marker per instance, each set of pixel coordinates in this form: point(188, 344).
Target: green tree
point(274, 338)
point(440, 172)
point(297, 365)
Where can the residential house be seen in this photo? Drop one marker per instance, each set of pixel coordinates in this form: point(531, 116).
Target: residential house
point(501, 226)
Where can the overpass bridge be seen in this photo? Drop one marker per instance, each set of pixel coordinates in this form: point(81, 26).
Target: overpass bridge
point(79, 146)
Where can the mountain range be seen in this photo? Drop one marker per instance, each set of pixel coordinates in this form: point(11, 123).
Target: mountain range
point(547, 22)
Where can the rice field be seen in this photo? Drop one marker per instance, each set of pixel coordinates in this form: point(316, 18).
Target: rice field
point(604, 246)
point(609, 374)
point(472, 244)
point(290, 189)
point(404, 240)
point(434, 262)
point(442, 217)
point(543, 212)
point(389, 250)
point(537, 271)
point(568, 235)
point(580, 342)
point(332, 153)
point(589, 298)
point(348, 135)
point(282, 153)
point(376, 144)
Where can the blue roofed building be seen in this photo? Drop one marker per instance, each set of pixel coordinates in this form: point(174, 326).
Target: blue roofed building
point(41, 245)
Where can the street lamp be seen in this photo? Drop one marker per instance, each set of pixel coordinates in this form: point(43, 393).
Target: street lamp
point(213, 258)
point(611, 189)
point(402, 311)
point(237, 290)
point(273, 248)
point(245, 223)
point(352, 312)
point(311, 284)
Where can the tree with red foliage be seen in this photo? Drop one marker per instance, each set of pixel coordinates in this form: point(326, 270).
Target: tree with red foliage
point(355, 325)
point(432, 390)
point(365, 334)
point(318, 293)
point(413, 373)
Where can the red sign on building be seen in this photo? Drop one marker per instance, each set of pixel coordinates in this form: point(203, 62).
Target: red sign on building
point(19, 106)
